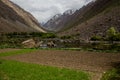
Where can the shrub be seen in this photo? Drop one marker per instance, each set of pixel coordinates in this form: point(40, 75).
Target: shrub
point(111, 75)
point(66, 37)
point(96, 38)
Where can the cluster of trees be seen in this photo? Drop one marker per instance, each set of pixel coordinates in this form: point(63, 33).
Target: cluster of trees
point(112, 35)
point(28, 35)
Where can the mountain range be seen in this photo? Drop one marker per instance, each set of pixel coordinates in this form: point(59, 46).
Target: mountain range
point(95, 18)
point(56, 23)
point(92, 19)
point(15, 19)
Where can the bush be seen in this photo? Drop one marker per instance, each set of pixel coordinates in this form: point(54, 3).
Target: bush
point(48, 35)
point(111, 75)
point(96, 38)
point(66, 37)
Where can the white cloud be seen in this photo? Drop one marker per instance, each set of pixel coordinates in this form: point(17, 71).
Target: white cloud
point(45, 9)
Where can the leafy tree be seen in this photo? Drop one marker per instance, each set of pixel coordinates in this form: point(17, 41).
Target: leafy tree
point(111, 31)
point(111, 34)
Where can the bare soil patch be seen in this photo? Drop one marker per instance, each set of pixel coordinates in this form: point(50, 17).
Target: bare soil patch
point(93, 62)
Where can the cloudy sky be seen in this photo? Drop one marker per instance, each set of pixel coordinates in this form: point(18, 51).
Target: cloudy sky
point(45, 9)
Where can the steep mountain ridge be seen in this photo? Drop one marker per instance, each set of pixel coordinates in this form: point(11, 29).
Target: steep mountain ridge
point(91, 10)
point(56, 24)
point(15, 19)
point(93, 19)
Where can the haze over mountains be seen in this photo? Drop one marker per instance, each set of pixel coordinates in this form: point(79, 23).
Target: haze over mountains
point(15, 19)
point(93, 19)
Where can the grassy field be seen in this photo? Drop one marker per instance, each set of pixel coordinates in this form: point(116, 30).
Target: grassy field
point(22, 51)
point(14, 70)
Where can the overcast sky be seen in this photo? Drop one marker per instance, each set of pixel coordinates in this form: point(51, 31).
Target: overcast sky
point(45, 9)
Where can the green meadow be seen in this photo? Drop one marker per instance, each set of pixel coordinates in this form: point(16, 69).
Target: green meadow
point(14, 70)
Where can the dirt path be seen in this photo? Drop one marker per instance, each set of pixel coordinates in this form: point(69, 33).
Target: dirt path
point(93, 62)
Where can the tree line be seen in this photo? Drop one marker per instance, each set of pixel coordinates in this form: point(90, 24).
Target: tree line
point(28, 35)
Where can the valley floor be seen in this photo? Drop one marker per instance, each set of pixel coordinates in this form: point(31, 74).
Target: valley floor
point(93, 62)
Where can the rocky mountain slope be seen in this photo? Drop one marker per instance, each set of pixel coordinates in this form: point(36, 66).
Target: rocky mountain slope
point(94, 19)
point(15, 19)
point(56, 23)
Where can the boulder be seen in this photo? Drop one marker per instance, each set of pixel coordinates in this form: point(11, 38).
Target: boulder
point(30, 43)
